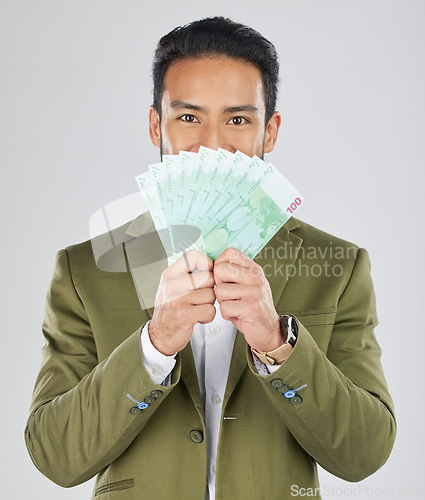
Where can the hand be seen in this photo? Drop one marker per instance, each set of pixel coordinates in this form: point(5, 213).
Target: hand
point(183, 299)
point(245, 299)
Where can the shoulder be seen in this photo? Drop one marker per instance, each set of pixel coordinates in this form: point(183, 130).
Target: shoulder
point(105, 252)
point(319, 254)
point(102, 253)
point(329, 256)
point(315, 237)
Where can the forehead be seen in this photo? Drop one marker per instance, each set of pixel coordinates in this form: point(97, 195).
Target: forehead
point(214, 79)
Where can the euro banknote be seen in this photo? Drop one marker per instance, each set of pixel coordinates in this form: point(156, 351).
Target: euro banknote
point(227, 199)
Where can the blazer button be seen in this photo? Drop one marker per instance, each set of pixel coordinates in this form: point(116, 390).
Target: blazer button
point(196, 436)
point(156, 394)
point(149, 399)
point(283, 389)
point(135, 411)
point(276, 383)
point(296, 400)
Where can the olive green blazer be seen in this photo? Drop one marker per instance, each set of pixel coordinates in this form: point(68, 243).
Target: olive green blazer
point(82, 423)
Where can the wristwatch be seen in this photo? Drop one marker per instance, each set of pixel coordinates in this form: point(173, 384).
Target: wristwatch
point(289, 328)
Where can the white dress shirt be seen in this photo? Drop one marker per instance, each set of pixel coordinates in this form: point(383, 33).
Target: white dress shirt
point(212, 346)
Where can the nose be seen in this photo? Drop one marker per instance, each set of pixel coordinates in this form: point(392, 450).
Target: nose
point(213, 136)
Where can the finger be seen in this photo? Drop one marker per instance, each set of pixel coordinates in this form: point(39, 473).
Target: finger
point(180, 286)
point(205, 313)
point(235, 309)
point(196, 280)
point(235, 291)
point(201, 296)
point(202, 279)
point(228, 272)
point(234, 256)
point(194, 259)
point(202, 310)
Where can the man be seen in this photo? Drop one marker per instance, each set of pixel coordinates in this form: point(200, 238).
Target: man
point(246, 372)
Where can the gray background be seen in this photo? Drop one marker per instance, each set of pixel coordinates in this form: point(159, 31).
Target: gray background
point(75, 89)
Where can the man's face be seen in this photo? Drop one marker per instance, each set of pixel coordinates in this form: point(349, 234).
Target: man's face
point(214, 102)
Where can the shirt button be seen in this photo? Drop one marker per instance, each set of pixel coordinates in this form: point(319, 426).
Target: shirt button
point(213, 469)
point(214, 330)
point(216, 399)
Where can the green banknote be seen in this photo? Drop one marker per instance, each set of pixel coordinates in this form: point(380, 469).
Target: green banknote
point(229, 199)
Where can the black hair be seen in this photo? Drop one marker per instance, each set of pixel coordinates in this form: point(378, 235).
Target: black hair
point(221, 36)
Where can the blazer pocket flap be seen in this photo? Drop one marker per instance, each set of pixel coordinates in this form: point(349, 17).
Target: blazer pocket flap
point(319, 324)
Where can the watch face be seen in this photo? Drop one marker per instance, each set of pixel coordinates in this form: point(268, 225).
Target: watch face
point(294, 326)
point(292, 330)
point(289, 327)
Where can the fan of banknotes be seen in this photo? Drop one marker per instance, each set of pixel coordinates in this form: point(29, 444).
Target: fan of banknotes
point(214, 199)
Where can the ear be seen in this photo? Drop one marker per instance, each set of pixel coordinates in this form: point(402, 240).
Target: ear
point(272, 130)
point(154, 127)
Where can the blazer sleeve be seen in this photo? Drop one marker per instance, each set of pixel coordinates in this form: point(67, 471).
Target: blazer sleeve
point(346, 418)
point(80, 417)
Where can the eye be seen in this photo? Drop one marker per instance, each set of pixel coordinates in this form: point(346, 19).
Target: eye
point(237, 120)
point(188, 118)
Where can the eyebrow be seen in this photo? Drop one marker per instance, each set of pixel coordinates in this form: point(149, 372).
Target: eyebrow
point(196, 107)
point(185, 105)
point(243, 107)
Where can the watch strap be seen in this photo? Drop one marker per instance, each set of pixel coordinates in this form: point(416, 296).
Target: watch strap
point(275, 357)
point(289, 328)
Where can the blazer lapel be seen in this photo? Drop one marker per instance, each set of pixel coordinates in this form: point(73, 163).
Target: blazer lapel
point(278, 256)
point(237, 365)
point(190, 379)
